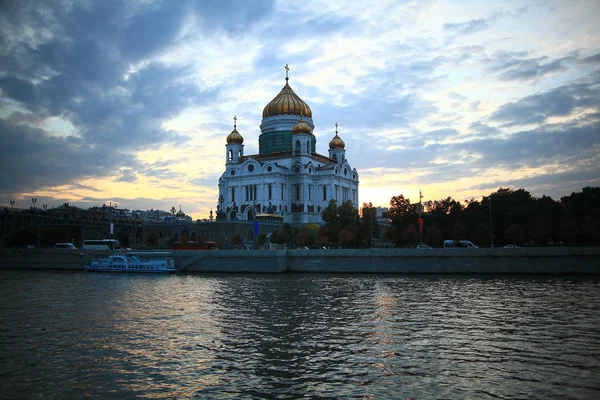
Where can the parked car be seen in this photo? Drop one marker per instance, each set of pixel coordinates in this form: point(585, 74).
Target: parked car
point(302, 248)
point(69, 246)
point(424, 246)
point(511, 246)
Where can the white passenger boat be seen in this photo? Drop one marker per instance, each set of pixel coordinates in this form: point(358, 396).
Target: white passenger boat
point(121, 262)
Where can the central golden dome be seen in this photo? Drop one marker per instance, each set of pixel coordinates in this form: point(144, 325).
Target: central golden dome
point(287, 102)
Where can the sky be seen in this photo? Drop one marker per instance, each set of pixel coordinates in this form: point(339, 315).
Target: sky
point(130, 102)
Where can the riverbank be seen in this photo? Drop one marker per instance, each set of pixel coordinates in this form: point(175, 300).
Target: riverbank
point(541, 260)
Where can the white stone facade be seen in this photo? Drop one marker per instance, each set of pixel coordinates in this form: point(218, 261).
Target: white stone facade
point(287, 177)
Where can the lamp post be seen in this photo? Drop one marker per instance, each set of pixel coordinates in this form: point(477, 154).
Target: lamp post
point(491, 229)
point(12, 204)
point(33, 202)
point(371, 218)
point(420, 217)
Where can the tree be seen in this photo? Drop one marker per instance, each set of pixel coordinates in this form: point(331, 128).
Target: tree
point(236, 240)
point(433, 236)
point(330, 214)
point(369, 220)
point(514, 234)
point(345, 237)
point(261, 239)
point(307, 235)
point(410, 234)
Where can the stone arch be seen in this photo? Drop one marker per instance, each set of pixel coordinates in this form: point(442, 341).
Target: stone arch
point(175, 237)
point(249, 234)
point(250, 213)
point(193, 238)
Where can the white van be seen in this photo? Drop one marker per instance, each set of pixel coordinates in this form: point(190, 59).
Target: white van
point(459, 244)
point(69, 246)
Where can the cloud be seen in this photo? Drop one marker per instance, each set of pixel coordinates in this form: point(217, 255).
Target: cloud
point(30, 159)
point(472, 26)
point(538, 108)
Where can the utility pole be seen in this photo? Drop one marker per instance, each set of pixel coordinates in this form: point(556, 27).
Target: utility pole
point(420, 216)
point(371, 215)
point(491, 230)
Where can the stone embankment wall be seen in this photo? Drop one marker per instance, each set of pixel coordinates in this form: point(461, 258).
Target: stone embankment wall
point(563, 260)
point(566, 260)
point(42, 259)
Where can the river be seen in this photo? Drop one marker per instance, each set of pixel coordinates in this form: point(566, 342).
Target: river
point(103, 335)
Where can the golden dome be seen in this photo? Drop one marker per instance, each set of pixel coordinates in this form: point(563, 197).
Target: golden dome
point(287, 102)
point(336, 142)
point(300, 127)
point(234, 137)
point(180, 213)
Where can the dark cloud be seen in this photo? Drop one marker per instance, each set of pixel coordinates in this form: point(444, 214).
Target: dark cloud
point(509, 66)
point(30, 159)
point(595, 59)
point(538, 108)
point(72, 61)
point(531, 69)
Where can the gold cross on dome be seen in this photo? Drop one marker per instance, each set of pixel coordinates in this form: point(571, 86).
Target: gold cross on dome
point(336, 126)
point(234, 121)
point(286, 71)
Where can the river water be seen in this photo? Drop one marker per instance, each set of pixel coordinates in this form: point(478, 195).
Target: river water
point(102, 335)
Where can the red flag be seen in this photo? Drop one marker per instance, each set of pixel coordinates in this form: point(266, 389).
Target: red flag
point(420, 224)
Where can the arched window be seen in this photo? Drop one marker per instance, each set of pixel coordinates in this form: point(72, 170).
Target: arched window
point(230, 155)
point(297, 146)
point(335, 157)
point(308, 147)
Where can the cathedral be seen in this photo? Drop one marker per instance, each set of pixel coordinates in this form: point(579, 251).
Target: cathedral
point(287, 179)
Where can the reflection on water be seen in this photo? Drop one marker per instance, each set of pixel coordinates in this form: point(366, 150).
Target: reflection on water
point(72, 335)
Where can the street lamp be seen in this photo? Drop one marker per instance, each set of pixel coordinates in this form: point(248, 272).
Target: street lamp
point(371, 215)
point(33, 202)
point(491, 230)
point(12, 204)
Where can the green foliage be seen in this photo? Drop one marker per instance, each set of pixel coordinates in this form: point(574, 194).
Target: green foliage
point(261, 239)
point(307, 236)
point(512, 216)
point(236, 240)
point(341, 225)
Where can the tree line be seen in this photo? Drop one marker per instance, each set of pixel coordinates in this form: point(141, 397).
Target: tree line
point(504, 217)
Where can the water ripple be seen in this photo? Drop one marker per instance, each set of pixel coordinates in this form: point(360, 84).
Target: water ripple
point(70, 335)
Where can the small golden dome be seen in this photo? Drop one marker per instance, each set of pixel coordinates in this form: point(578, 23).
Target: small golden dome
point(287, 102)
point(301, 127)
point(234, 137)
point(180, 213)
point(336, 142)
